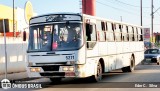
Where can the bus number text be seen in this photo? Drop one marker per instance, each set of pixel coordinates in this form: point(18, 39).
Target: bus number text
point(69, 57)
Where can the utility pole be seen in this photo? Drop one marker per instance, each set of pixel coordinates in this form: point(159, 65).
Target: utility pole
point(80, 6)
point(141, 13)
point(13, 21)
point(152, 18)
point(121, 18)
point(4, 31)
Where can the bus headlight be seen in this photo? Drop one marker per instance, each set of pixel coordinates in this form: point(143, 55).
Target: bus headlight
point(71, 68)
point(35, 69)
point(67, 68)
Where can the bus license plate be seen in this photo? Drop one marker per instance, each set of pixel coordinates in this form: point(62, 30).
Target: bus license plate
point(148, 59)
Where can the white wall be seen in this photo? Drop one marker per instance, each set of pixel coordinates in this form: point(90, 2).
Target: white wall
point(16, 47)
point(16, 54)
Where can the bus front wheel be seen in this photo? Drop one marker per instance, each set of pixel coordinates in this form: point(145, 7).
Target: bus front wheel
point(98, 76)
point(158, 63)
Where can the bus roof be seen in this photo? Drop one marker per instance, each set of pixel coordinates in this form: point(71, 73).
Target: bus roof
point(69, 13)
point(109, 20)
point(89, 16)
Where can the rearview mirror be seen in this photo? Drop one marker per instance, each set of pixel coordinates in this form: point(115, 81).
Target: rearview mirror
point(24, 35)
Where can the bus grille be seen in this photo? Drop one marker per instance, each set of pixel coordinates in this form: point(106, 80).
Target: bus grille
point(51, 68)
point(62, 74)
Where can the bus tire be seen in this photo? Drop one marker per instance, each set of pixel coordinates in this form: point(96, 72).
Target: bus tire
point(124, 69)
point(98, 76)
point(55, 80)
point(131, 67)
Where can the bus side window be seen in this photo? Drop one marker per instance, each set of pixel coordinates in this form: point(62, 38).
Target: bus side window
point(133, 39)
point(127, 33)
point(91, 36)
point(120, 28)
point(118, 32)
point(88, 32)
point(141, 36)
point(110, 32)
point(135, 34)
point(100, 27)
point(130, 32)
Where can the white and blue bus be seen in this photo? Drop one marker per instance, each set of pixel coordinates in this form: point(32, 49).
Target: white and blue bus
point(75, 45)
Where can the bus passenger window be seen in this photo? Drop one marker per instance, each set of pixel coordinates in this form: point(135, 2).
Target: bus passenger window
point(106, 26)
point(133, 39)
point(112, 26)
point(90, 36)
point(110, 32)
point(141, 36)
point(135, 34)
point(127, 33)
point(118, 33)
point(90, 32)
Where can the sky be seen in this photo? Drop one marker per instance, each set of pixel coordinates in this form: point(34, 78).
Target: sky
point(128, 10)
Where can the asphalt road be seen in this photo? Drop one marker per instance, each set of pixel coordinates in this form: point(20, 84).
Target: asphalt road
point(145, 77)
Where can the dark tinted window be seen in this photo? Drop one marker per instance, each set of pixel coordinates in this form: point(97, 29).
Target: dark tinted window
point(152, 51)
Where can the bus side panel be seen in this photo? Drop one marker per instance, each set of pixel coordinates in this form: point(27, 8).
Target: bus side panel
point(103, 52)
point(132, 46)
point(90, 67)
point(103, 48)
point(140, 55)
point(119, 57)
point(112, 55)
point(81, 55)
point(126, 54)
point(93, 52)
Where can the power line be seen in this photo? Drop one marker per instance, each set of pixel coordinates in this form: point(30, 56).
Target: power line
point(125, 7)
point(157, 12)
point(129, 4)
point(131, 13)
point(150, 24)
point(116, 8)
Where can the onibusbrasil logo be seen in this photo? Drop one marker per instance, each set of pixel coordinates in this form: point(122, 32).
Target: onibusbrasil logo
point(5, 84)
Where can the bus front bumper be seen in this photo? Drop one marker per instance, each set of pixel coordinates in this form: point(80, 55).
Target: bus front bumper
point(79, 71)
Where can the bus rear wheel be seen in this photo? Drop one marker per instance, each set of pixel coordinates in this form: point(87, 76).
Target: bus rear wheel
point(131, 67)
point(98, 76)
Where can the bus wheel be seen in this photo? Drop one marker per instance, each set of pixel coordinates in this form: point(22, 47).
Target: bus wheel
point(124, 69)
point(98, 76)
point(55, 80)
point(131, 67)
point(158, 63)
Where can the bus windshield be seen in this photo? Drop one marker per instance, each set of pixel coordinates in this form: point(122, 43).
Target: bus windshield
point(54, 37)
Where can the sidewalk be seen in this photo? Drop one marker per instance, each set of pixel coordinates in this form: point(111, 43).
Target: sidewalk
point(14, 76)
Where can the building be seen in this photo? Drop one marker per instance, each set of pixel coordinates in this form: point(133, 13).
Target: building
point(7, 15)
point(15, 46)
